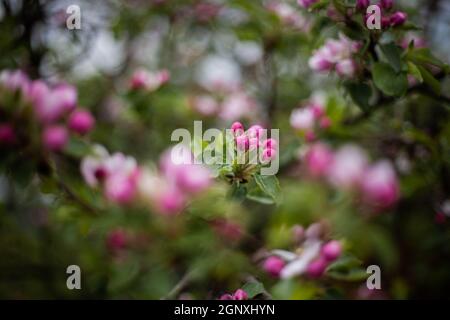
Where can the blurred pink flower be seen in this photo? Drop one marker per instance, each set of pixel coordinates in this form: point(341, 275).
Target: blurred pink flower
point(273, 265)
point(54, 138)
point(348, 167)
point(380, 185)
point(318, 160)
point(81, 121)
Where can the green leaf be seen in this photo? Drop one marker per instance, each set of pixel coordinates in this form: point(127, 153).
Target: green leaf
point(268, 184)
point(347, 268)
point(424, 56)
point(77, 147)
point(430, 80)
point(253, 289)
point(392, 53)
point(388, 81)
point(360, 93)
point(415, 71)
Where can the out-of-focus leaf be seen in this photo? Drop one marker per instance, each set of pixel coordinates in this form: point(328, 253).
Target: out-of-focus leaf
point(389, 81)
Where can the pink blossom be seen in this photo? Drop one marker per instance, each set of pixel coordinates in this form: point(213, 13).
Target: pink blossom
point(7, 134)
point(325, 122)
point(237, 105)
point(348, 167)
point(55, 137)
point(318, 159)
point(51, 103)
point(273, 266)
point(92, 166)
point(346, 68)
point(302, 119)
point(226, 296)
point(139, 79)
point(193, 178)
point(120, 187)
point(15, 80)
point(205, 105)
point(81, 121)
point(319, 62)
point(151, 81)
point(380, 185)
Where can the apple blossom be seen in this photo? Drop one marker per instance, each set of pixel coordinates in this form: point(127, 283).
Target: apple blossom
point(54, 138)
point(81, 121)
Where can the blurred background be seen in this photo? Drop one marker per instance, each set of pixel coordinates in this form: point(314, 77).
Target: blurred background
point(257, 53)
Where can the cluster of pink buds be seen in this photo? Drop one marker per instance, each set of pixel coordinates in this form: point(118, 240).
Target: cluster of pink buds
point(55, 109)
point(239, 294)
point(178, 180)
point(338, 55)
point(348, 168)
point(310, 119)
point(312, 257)
point(395, 19)
point(289, 16)
point(149, 81)
point(254, 139)
point(116, 174)
point(236, 104)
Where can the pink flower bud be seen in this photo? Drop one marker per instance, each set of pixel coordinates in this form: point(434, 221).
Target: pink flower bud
point(253, 143)
point(163, 76)
point(116, 240)
point(380, 185)
point(237, 128)
point(255, 131)
point(240, 295)
point(317, 110)
point(273, 266)
point(310, 136)
point(7, 134)
point(385, 22)
point(325, 122)
point(332, 250)
point(317, 268)
point(139, 79)
point(318, 160)
point(314, 231)
point(386, 4)
point(398, 18)
point(242, 142)
point(81, 121)
point(270, 143)
point(362, 4)
point(55, 137)
point(268, 154)
point(226, 296)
